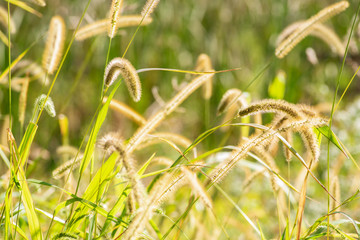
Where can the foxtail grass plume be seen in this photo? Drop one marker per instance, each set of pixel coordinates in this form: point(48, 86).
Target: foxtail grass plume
point(101, 26)
point(22, 100)
point(320, 31)
point(48, 106)
point(304, 29)
point(115, 12)
point(271, 105)
point(149, 7)
point(230, 97)
point(112, 142)
point(54, 45)
point(335, 190)
point(224, 168)
point(197, 187)
point(4, 20)
point(122, 66)
point(64, 169)
point(41, 3)
point(154, 121)
point(203, 64)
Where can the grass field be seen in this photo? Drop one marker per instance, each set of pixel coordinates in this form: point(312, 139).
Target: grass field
point(177, 119)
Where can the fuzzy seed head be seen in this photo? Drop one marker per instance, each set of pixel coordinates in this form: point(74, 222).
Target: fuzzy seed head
point(149, 7)
point(49, 105)
point(4, 20)
point(101, 26)
point(307, 27)
point(122, 66)
point(41, 3)
point(203, 64)
point(54, 45)
point(272, 105)
point(115, 12)
point(230, 96)
point(112, 142)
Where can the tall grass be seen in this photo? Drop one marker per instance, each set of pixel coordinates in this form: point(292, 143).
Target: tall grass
point(179, 164)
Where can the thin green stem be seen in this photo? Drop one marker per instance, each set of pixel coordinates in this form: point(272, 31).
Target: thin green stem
point(9, 52)
point(333, 111)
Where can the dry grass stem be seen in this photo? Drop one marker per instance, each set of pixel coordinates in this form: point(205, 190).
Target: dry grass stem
point(154, 121)
point(304, 29)
point(250, 179)
point(127, 111)
point(54, 45)
point(271, 105)
point(101, 26)
point(122, 66)
point(197, 187)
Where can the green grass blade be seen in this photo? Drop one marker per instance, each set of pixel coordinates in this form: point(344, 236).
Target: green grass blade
point(90, 146)
point(95, 188)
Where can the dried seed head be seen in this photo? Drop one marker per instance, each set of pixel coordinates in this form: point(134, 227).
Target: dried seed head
point(54, 45)
point(41, 3)
point(112, 142)
point(4, 20)
point(335, 190)
point(122, 66)
point(115, 12)
point(304, 29)
point(102, 26)
point(311, 141)
point(318, 30)
point(49, 105)
point(197, 187)
point(271, 105)
point(203, 64)
point(64, 169)
point(230, 97)
point(149, 7)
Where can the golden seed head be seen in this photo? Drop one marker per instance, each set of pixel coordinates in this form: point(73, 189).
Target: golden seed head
point(122, 66)
point(112, 142)
point(54, 45)
point(230, 97)
point(115, 12)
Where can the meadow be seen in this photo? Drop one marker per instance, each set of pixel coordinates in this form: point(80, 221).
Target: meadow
point(130, 119)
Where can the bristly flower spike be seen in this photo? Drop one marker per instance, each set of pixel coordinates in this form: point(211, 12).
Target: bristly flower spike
point(122, 66)
point(54, 45)
point(39, 103)
point(149, 7)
